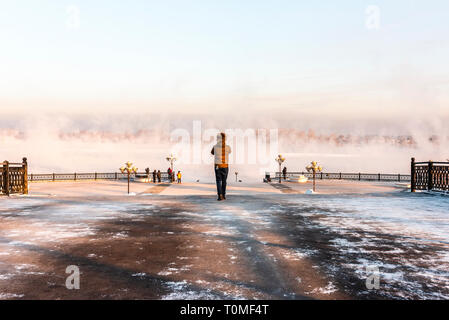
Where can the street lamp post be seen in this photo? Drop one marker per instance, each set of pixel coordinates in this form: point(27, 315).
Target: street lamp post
point(314, 168)
point(129, 169)
point(172, 160)
point(280, 159)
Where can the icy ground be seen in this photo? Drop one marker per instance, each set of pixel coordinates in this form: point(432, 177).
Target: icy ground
point(405, 235)
point(260, 243)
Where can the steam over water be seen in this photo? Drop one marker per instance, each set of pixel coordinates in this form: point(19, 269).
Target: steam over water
point(102, 143)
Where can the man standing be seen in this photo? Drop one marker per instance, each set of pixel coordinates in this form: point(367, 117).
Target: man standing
point(154, 176)
point(284, 172)
point(221, 152)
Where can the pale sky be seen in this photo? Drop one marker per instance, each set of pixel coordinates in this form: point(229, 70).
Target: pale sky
point(140, 56)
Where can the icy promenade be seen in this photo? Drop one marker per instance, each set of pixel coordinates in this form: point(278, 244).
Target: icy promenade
point(265, 241)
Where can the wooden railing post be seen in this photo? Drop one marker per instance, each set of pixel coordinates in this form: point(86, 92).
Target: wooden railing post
point(340, 176)
point(6, 175)
point(360, 176)
point(399, 177)
point(430, 176)
point(95, 176)
point(74, 176)
point(378, 176)
point(413, 176)
point(53, 177)
point(25, 175)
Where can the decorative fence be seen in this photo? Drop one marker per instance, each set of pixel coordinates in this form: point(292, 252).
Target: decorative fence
point(429, 176)
point(13, 177)
point(92, 176)
point(349, 176)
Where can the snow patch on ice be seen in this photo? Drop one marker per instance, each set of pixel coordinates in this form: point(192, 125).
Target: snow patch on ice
point(5, 296)
point(139, 274)
point(6, 276)
point(328, 289)
point(120, 235)
point(180, 291)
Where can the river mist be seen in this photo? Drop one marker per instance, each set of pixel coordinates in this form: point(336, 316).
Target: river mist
point(100, 142)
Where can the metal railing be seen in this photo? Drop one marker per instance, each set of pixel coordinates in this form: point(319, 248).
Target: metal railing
point(33, 177)
point(13, 177)
point(429, 176)
point(359, 176)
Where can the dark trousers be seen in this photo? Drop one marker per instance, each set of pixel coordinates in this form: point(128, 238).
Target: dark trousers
point(221, 175)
